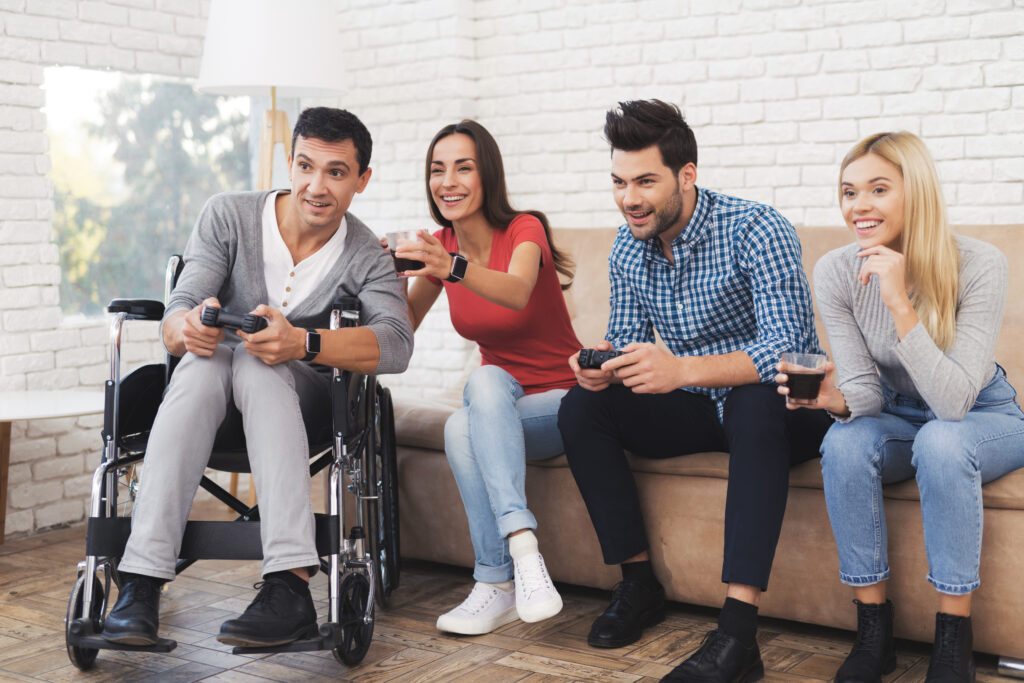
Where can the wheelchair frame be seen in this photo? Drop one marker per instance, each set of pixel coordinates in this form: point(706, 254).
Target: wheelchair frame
point(362, 565)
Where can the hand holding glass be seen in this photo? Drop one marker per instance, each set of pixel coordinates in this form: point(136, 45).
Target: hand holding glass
point(393, 238)
point(804, 373)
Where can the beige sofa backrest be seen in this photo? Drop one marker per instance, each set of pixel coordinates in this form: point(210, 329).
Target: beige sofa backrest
point(587, 299)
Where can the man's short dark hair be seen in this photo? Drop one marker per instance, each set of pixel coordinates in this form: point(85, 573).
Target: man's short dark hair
point(638, 124)
point(335, 125)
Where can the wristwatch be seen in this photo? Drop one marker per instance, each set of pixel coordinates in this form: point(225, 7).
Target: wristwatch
point(312, 344)
point(459, 265)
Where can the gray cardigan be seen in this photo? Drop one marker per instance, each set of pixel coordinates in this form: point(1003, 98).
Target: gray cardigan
point(869, 354)
point(224, 258)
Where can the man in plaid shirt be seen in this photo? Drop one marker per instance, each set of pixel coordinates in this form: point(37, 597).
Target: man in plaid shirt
point(721, 281)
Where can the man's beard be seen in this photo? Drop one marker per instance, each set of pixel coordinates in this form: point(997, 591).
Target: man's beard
point(664, 219)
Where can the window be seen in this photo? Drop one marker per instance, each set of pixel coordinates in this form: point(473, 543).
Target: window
point(134, 159)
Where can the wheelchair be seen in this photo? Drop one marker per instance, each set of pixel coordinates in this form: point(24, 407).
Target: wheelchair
point(361, 561)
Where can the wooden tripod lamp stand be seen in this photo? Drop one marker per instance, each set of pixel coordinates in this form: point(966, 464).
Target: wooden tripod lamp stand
point(261, 47)
point(255, 47)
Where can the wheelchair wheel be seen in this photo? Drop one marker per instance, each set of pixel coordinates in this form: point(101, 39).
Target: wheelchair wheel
point(355, 634)
point(82, 657)
point(384, 542)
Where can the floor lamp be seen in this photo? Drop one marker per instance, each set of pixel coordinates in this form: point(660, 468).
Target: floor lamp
point(266, 47)
point(260, 47)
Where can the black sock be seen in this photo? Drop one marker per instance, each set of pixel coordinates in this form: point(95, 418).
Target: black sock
point(294, 582)
point(641, 572)
point(739, 620)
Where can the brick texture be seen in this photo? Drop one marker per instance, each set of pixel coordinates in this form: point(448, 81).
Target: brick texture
point(777, 91)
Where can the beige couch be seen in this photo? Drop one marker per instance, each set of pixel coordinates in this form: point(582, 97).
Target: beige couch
point(684, 497)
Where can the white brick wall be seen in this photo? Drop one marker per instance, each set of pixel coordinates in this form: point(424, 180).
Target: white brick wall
point(51, 459)
point(777, 91)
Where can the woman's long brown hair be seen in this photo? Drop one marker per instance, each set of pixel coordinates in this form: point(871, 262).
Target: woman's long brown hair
point(497, 209)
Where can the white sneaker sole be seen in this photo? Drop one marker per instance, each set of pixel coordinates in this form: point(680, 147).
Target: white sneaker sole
point(479, 626)
point(539, 612)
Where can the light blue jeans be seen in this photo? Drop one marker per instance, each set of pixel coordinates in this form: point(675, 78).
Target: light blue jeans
point(488, 442)
point(951, 460)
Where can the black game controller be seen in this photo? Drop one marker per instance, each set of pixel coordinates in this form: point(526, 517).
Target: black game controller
point(216, 317)
point(592, 359)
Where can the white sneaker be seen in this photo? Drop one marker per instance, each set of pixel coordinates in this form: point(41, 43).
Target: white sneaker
point(486, 608)
point(536, 597)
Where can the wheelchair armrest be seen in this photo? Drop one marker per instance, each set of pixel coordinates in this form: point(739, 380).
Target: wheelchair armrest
point(137, 309)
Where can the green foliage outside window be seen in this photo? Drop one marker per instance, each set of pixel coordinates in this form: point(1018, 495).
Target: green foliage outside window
point(176, 148)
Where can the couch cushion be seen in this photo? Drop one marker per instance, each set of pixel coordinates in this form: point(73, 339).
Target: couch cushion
point(420, 424)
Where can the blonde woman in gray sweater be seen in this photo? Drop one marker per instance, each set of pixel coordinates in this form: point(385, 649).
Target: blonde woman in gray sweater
point(912, 314)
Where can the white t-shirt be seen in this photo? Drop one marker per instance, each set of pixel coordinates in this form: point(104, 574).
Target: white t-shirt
point(289, 283)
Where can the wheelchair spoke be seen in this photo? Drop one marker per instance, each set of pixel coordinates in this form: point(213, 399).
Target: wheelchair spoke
point(356, 634)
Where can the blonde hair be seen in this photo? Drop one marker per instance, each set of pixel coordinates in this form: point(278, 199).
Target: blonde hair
point(929, 250)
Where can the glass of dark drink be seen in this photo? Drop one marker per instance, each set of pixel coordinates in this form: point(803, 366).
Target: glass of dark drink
point(403, 264)
point(804, 371)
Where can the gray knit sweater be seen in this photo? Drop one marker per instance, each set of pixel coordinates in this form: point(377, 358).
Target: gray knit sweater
point(869, 355)
point(224, 258)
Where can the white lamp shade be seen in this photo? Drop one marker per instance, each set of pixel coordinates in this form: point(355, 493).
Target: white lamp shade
point(253, 45)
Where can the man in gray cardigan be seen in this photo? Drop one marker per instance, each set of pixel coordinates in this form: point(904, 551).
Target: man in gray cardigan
point(286, 256)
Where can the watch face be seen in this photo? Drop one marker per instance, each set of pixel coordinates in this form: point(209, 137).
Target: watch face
point(312, 342)
point(459, 267)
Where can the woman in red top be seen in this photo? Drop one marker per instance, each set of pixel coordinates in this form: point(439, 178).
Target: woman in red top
point(499, 271)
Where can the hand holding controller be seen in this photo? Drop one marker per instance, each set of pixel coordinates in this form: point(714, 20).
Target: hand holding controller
point(217, 317)
point(592, 359)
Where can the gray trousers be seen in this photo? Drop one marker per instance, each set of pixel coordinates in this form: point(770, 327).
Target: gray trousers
point(273, 401)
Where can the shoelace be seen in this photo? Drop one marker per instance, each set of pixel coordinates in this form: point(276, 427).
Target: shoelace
point(709, 648)
point(869, 638)
point(532, 579)
point(623, 592)
point(266, 589)
point(949, 639)
point(479, 598)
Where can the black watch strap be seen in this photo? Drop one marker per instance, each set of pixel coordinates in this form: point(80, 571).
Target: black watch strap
point(312, 344)
point(459, 265)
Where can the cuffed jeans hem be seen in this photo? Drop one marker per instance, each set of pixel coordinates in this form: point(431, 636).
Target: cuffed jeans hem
point(286, 564)
point(864, 579)
point(954, 588)
point(486, 574)
point(146, 571)
point(516, 520)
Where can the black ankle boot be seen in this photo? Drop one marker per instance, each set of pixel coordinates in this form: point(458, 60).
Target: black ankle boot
point(873, 653)
point(135, 618)
point(952, 661)
point(278, 615)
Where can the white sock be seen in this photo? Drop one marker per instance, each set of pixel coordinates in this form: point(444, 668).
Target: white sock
point(507, 586)
point(522, 544)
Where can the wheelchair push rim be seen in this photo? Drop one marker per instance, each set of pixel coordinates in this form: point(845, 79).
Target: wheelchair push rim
point(383, 529)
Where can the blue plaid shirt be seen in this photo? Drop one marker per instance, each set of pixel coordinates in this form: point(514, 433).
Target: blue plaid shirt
point(737, 284)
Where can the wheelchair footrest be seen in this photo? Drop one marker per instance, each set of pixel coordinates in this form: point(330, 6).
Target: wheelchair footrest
point(83, 634)
point(328, 638)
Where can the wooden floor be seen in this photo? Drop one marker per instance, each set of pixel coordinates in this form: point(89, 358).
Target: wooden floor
point(36, 574)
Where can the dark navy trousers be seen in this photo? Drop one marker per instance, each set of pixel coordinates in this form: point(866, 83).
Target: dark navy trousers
point(762, 437)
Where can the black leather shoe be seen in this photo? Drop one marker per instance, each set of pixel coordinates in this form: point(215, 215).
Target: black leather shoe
point(136, 615)
point(874, 652)
point(634, 607)
point(720, 659)
point(952, 661)
point(276, 616)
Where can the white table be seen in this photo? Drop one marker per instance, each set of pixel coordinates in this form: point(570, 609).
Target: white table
point(37, 405)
